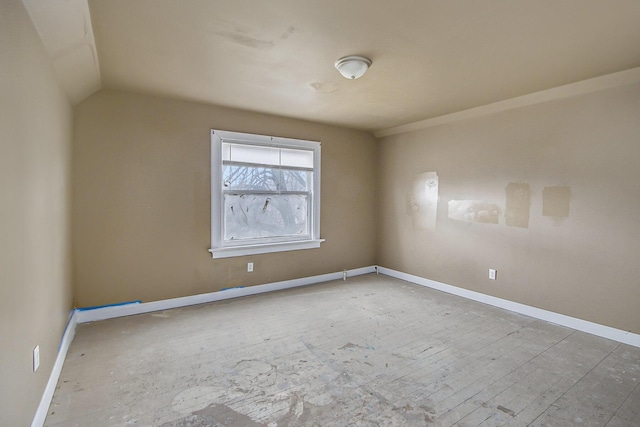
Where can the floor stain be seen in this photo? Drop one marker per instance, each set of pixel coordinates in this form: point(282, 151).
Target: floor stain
point(196, 398)
point(506, 410)
point(351, 345)
point(416, 416)
point(247, 374)
point(306, 380)
point(214, 415)
point(303, 414)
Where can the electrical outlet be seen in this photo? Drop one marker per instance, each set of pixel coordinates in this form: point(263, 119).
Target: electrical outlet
point(492, 274)
point(249, 267)
point(36, 358)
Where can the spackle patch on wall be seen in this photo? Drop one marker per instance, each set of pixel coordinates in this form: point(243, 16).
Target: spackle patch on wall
point(422, 203)
point(555, 201)
point(474, 211)
point(518, 204)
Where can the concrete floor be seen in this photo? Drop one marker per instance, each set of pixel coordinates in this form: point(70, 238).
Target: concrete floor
point(371, 351)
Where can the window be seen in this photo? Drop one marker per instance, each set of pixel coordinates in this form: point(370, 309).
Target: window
point(265, 194)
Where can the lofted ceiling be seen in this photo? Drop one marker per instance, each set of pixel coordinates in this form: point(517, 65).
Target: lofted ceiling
point(430, 57)
point(66, 32)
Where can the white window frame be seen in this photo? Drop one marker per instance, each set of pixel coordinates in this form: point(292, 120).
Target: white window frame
point(220, 249)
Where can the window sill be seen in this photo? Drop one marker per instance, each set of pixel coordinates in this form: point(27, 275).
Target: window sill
point(264, 249)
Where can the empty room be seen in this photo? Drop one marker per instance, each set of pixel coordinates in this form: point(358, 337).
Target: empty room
point(319, 213)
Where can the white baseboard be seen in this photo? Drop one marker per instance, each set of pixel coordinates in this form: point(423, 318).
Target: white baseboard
point(45, 401)
point(104, 313)
point(614, 334)
point(83, 316)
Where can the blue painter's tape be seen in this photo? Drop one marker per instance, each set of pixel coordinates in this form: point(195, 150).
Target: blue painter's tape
point(226, 289)
point(95, 307)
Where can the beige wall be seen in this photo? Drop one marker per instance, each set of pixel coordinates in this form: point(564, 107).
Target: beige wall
point(141, 209)
point(583, 265)
point(35, 289)
point(141, 205)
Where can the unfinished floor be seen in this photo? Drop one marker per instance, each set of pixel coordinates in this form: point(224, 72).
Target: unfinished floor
point(369, 351)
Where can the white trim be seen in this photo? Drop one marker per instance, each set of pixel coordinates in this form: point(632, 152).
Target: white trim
point(104, 313)
point(269, 141)
point(608, 81)
point(222, 249)
point(232, 251)
point(47, 395)
point(538, 313)
point(131, 309)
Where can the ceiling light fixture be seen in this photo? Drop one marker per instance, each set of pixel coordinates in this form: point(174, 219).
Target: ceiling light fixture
point(353, 67)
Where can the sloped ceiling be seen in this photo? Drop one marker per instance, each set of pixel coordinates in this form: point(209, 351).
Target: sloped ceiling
point(65, 29)
point(430, 57)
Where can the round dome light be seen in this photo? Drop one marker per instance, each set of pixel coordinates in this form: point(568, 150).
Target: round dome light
point(353, 67)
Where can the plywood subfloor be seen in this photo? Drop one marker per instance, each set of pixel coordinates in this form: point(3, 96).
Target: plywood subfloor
point(371, 351)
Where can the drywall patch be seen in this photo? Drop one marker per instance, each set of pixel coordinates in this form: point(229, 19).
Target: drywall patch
point(518, 204)
point(474, 211)
point(555, 201)
point(422, 203)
